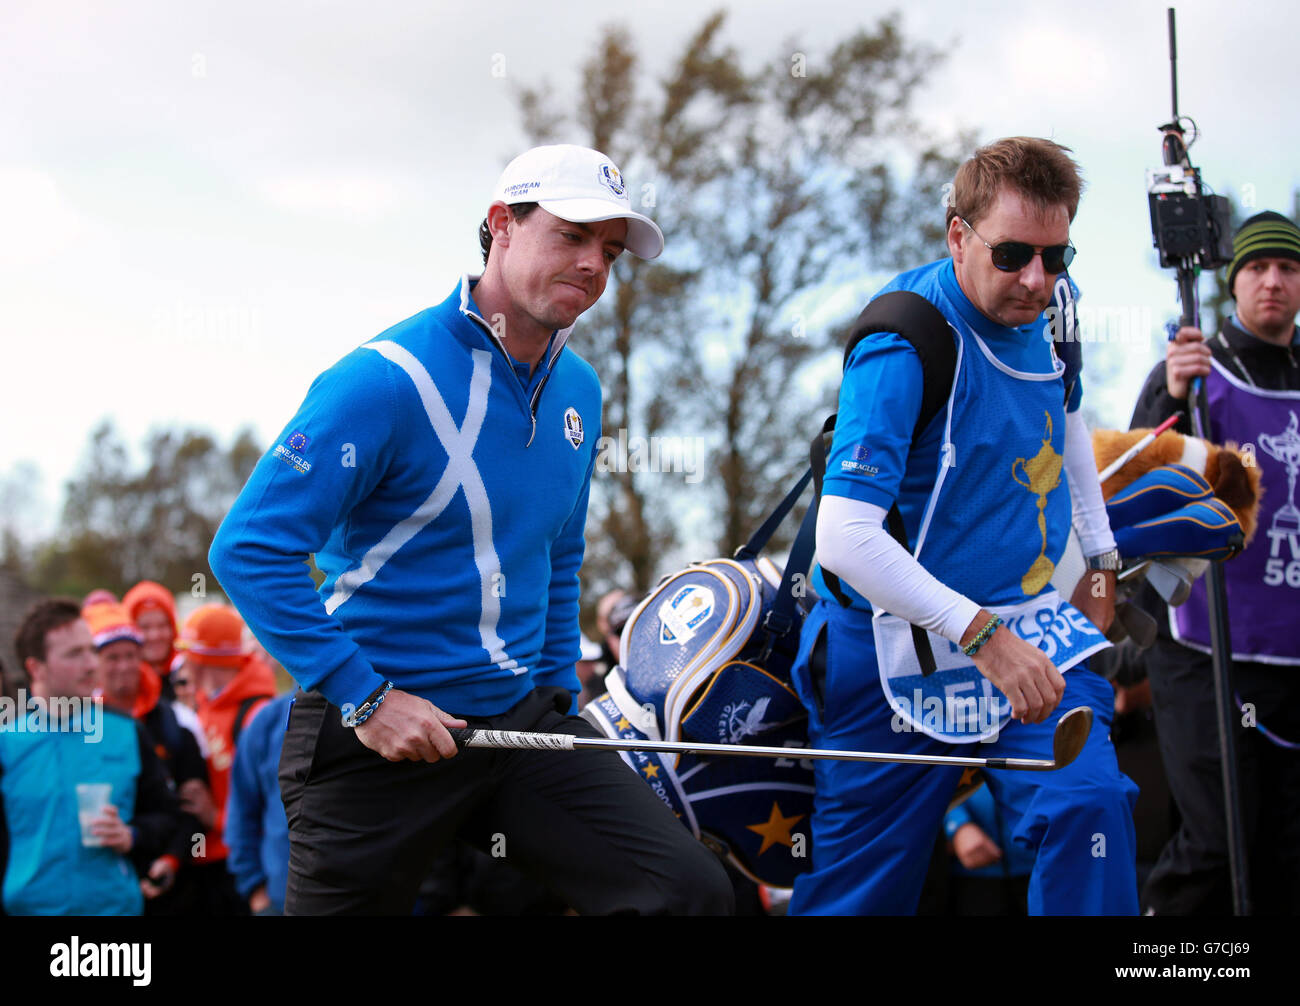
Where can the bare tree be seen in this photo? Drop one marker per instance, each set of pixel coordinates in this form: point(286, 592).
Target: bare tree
point(121, 524)
point(776, 185)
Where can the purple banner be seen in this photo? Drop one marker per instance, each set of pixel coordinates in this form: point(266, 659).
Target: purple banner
point(1263, 582)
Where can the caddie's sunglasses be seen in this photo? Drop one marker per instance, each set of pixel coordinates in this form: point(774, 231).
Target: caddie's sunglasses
point(1012, 256)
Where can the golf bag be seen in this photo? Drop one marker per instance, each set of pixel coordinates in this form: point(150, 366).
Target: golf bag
point(706, 657)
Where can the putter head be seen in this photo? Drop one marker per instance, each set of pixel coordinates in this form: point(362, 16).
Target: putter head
point(1071, 734)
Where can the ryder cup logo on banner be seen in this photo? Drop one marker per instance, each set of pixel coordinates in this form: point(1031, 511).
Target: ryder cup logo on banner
point(682, 614)
point(612, 180)
point(573, 427)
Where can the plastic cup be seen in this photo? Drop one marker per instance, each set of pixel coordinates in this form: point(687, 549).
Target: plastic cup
point(92, 798)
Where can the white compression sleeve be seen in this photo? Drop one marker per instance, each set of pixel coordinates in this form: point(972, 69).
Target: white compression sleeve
point(853, 544)
point(1090, 518)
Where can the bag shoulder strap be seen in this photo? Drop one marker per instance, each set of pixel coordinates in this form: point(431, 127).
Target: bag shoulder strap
point(923, 325)
point(781, 616)
point(241, 715)
point(925, 328)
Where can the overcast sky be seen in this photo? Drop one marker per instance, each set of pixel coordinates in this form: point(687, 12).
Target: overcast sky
point(204, 204)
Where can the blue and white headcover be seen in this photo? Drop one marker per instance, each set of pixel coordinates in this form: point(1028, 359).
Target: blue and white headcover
point(685, 677)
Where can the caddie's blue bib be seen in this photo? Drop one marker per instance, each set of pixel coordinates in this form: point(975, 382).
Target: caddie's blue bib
point(993, 528)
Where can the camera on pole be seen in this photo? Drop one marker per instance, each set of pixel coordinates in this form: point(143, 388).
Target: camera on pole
point(1192, 230)
point(1188, 225)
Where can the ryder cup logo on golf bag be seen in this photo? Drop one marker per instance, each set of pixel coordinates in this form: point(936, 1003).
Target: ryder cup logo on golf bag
point(706, 659)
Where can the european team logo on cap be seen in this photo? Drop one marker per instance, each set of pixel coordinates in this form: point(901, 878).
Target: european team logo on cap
point(612, 179)
point(573, 427)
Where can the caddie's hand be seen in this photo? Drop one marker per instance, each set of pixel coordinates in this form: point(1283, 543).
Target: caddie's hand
point(112, 831)
point(973, 848)
point(1019, 670)
point(1187, 356)
point(408, 728)
point(1094, 595)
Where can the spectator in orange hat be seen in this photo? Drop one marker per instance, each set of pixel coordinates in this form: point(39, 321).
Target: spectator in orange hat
point(149, 609)
point(232, 685)
point(153, 610)
point(130, 685)
point(99, 596)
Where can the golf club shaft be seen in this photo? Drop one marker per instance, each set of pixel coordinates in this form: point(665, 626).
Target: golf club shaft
point(469, 737)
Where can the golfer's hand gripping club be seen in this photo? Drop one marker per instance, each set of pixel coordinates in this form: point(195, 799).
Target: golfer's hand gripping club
point(409, 728)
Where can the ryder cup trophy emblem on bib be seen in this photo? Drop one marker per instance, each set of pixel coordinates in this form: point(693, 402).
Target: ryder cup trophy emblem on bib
point(1285, 448)
point(1042, 474)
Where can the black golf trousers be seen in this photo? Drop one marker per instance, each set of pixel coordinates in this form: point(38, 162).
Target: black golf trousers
point(363, 831)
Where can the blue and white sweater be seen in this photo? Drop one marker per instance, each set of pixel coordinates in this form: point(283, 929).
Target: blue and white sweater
point(444, 502)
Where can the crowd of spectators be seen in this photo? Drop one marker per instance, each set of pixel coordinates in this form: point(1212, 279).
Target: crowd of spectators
point(138, 766)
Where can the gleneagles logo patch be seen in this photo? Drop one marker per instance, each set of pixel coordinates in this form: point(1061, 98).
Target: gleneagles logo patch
point(573, 427)
point(290, 452)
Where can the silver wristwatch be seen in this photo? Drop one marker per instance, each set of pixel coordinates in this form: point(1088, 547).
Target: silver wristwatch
point(1108, 561)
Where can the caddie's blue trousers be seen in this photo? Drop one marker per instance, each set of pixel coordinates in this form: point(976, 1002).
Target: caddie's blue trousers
point(874, 825)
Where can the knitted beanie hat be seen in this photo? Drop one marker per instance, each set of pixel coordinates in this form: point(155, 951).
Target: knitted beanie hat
point(1265, 235)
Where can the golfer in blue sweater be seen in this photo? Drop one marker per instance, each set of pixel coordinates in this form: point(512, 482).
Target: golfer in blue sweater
point(440, 475)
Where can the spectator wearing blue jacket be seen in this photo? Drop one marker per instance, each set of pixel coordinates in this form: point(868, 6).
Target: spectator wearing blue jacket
point(257, 832)
point(990, 870)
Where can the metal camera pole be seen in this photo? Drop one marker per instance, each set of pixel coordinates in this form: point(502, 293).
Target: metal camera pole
point(1187, 266)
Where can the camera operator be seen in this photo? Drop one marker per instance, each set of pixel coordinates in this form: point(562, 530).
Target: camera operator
point(1252, 381)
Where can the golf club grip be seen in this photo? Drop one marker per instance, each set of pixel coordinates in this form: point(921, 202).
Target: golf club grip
point(473, 737)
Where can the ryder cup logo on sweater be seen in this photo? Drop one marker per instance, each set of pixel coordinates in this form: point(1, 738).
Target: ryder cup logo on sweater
point(573, 427)
point(612, 180)
point(681, 615)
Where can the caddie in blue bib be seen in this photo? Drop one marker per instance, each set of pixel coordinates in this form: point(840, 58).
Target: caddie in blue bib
point(976, 493)
point(1001, 495)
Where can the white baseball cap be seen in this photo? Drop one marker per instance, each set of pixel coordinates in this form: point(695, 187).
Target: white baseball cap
point(580, 185)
